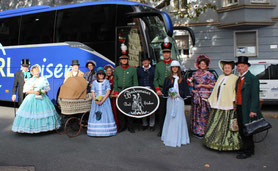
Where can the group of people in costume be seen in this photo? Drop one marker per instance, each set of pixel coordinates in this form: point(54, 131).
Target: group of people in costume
point(214, 103)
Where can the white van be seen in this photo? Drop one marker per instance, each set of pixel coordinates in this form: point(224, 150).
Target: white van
point(267, 72)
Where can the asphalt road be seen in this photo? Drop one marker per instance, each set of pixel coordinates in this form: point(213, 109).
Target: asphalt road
point(125, 151)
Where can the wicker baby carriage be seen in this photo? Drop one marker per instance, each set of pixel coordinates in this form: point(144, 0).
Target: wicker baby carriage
point(74, 115)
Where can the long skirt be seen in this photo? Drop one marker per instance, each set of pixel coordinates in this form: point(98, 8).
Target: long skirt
point(200, 111)
point(101, 120)
point(35, 115)
point(218, 135)
point(175, 132)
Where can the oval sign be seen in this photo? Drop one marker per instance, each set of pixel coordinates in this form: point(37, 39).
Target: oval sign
point(137, 102)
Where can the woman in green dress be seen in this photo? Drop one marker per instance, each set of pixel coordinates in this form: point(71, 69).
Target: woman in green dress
point(218, 134)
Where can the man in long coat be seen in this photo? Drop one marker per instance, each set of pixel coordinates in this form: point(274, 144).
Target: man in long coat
point(19, 80)
point(247, 104)
point(162, 71)
point(125, 76)
point(75, 72)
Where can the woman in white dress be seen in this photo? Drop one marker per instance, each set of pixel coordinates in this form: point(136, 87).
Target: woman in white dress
point(175, 131)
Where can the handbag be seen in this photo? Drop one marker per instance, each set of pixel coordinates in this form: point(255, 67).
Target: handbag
point(233, 123)
point(256, 126)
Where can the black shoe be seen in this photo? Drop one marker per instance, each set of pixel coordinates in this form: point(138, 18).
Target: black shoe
point(240, 152)
point(159, 134)
point(144, 128)
point(152, 128)
point(121, 130)
point(131, 130)
point(243, 156)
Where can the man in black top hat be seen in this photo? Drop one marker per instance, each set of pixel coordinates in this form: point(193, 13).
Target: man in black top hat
point(247, 104)
point(145, 75)
point(75, 72)
point(19, 80)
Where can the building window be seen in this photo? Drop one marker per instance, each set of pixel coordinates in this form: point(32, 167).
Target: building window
point(246, 43)
point(259, 1)
point(183, 45)
point(227, 3)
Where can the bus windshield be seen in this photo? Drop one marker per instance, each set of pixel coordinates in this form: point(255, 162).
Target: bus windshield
point(157, 34)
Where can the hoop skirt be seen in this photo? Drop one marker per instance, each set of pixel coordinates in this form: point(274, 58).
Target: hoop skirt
point(35, 115)
point(175, 132)
point(101, 120)
point(218, 135)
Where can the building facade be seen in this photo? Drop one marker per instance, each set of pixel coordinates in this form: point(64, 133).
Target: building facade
point(235, 28)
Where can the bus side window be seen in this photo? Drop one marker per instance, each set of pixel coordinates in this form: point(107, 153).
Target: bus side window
point(93, 26)
point(9, 31)
point(37, 28)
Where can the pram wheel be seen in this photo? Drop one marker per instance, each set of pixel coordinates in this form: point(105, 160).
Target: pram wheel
point(73, 126)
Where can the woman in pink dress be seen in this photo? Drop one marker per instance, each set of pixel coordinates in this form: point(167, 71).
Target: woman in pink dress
point(203, 83)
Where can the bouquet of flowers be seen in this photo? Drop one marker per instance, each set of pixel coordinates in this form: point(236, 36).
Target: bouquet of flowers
point(40, 91)
point(99, 98)
point(40, 96)
point(172, 92)
point(189, 80)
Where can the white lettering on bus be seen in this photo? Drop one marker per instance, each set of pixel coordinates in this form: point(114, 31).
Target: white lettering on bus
point(48, 70)
point(58, 69)
point(2, 66)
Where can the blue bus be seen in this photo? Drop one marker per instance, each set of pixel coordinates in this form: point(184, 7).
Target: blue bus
point(53, 36)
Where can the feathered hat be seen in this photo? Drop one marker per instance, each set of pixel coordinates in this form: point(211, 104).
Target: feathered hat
point(199, 58)
point(123, 51)
point(166, 46)
point(108, 66)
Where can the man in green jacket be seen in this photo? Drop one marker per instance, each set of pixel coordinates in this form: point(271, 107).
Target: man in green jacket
point(162, 71)
point(247, 104)
point(125, 76)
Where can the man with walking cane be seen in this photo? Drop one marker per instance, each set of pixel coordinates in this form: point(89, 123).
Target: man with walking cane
point(20, 78)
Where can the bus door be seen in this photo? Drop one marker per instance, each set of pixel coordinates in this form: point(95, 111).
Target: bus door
point(132, 37)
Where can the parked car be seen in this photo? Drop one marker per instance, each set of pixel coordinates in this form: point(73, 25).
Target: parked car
point(267, 73)
point(188, 75)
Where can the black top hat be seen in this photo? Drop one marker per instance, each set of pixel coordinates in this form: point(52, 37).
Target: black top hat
point(75, 62)
point(25, 62)
point(243, 60)
point(145, 58)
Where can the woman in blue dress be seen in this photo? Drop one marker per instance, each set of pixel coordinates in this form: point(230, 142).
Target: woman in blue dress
point(175, 131)
point(101, 120)
point(36, 113)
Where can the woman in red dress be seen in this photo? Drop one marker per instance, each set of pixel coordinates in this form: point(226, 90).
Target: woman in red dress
point(110, 77)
